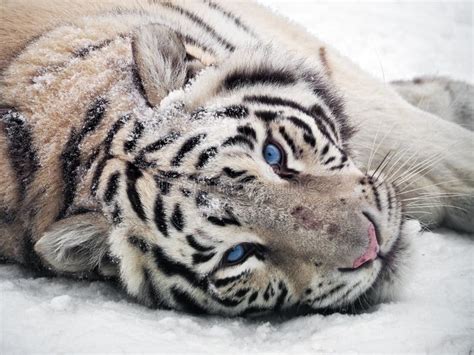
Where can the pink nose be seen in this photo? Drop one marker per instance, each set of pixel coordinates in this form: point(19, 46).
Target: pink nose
point(372, 250)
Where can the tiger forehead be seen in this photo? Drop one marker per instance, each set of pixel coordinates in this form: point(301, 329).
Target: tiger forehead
point(301, 91)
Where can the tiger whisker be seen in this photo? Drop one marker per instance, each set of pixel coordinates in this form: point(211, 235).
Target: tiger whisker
point(439, 205)
point(427, 186)
point(380, 164)
point(420, 170)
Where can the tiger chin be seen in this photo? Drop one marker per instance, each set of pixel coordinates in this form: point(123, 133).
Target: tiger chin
point(210, 187)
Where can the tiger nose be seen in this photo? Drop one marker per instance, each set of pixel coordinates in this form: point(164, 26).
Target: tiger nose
point(372, 250)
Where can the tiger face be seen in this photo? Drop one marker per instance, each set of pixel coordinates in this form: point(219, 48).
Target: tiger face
point(235, 195)
point(279, 218)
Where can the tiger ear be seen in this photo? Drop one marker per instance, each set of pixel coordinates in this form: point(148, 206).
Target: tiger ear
point(160, 58)
point(77, 244)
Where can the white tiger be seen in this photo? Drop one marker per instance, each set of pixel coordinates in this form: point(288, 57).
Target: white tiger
point(204, 154)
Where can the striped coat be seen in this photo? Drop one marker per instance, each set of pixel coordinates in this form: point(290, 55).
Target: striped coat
point(204, 155)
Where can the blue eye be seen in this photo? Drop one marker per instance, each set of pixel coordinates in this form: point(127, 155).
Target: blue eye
point(236, 254)
point(272, 154)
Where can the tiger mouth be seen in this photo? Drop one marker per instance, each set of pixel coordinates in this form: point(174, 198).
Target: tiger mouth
point(373, 252)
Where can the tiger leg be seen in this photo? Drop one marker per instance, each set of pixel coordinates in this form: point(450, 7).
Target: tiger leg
point(449, 99)
point(452, 101)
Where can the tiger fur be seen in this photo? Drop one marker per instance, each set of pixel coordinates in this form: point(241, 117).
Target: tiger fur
point(132, 141)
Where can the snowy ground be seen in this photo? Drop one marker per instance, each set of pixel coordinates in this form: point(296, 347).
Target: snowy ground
point(436, 312)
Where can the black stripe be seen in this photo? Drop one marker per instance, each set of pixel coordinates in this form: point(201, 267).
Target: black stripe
point(333, 102)
point(177, 218)
point(265, 76)
point(329, 293)
point(117, 215)
point(253, 297)
point(281, 297)
point(351, 289)
point(238, 140)
point(389, 202)
point(186, 302)
point(164, 187)
point(160, 143)
point(247, 131)
point(233, 173)
point(247, 179)
point(187, 146)
point(227, 302)
point(148, 293)
point(137, 79)
point(112, 187)
point(317, 110)
point(376, 197)
point(85, 51)
point(242, 292)
point(195, 245)
point(98, 174)
point(202, 258)
point(139, 243)
point(325, 149)
point(21, 150)
point(202, 199)
point(135, 135)
point(266, 293)
point(160, 216)
point(233, 111)
point(133, 174)
point(171, 267)
point(94, 116)
point(309, 139)
point(288, 140)
point(278, 101)
point(329, 160)
point(205, 156)
point(170, 174)
point(210, 181)
point(227, 280)
point(194, 42)
point(337, 167)
point(197, 20)
point(267, 116)
point(301, 124)
point(70, 156)
point(140, 159)
point(117, 126)
point(224, 221)
point(230, 16)
point(308, 133)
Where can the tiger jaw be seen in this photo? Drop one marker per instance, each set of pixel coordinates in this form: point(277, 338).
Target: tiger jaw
point(277, 281)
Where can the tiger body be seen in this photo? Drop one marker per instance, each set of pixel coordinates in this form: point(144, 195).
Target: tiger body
point(133, 149)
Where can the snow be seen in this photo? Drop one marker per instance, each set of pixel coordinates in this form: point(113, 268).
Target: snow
point(435, 312)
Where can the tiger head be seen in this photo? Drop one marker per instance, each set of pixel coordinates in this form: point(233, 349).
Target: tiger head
point(235, 195)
